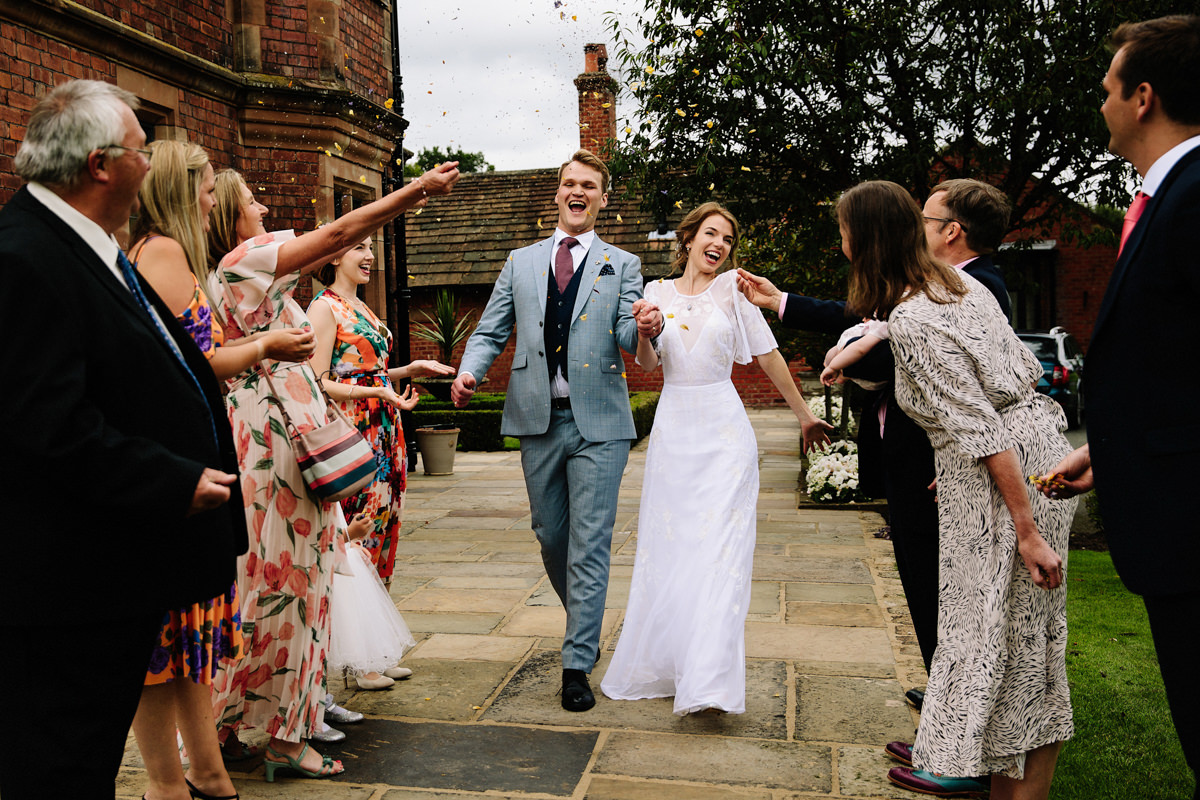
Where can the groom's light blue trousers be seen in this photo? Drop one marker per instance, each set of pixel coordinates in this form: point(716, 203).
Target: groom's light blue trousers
point(573, 486)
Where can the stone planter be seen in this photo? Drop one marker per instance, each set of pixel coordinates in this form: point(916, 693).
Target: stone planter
point(437, 446)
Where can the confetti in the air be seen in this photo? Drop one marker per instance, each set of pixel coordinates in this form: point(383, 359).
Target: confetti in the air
point(389, 103)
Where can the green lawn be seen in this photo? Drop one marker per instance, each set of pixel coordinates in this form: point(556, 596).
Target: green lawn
point(1124, 745)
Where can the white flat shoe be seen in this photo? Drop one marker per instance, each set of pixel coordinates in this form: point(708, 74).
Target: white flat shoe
point(398, 673)
point(382, 682)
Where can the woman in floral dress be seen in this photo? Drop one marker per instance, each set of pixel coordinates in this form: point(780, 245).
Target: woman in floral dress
point(351, 356)
point(170, 250)
point(286, 578)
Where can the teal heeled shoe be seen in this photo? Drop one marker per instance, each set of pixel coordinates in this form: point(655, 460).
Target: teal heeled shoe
point(326, 770)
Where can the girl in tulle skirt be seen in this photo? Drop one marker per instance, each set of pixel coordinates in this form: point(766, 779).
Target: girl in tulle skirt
point(367, 632)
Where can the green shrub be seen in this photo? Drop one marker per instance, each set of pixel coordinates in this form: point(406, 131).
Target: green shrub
point(479, 422)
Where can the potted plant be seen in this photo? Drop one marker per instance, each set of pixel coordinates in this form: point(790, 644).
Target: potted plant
point(445, 330)
point(438, 443)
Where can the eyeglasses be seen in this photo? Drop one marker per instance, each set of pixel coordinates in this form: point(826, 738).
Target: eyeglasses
point(945, 221)
point(145, 153)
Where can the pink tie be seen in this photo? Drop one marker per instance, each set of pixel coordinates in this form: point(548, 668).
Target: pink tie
point(564, 265)
point(1131, 217)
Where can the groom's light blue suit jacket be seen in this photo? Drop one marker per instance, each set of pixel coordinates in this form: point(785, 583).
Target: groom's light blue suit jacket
point(601, 326)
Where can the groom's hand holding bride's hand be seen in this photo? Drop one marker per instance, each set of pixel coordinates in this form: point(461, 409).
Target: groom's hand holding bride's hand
point(648, 317)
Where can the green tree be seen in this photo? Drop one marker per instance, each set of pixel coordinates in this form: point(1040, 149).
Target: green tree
point(430, 157)
point(777, 106)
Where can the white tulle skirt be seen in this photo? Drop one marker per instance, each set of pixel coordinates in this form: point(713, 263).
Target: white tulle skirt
point(367, 632)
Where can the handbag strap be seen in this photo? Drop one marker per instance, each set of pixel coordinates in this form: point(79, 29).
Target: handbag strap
point(266, 371)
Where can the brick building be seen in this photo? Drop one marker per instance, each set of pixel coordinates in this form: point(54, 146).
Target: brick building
point(295, 94)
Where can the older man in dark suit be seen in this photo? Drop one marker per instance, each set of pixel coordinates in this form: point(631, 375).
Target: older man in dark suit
point(1142, 461)
point(118, 451)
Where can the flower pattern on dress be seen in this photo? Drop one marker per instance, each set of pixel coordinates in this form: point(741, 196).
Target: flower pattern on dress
point(286, 577)
point(360, 357)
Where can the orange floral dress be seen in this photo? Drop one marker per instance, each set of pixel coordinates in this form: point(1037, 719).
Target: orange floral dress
point(286, 578)
point(360, 357)
point(194, 640)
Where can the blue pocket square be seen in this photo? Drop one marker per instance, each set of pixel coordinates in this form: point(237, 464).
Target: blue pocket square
point(607, 270)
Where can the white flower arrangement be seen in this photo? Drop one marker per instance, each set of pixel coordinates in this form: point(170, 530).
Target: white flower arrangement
point(832, 475)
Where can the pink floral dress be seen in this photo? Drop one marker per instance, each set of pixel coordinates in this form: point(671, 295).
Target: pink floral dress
point(286, 578)
point(360, 358)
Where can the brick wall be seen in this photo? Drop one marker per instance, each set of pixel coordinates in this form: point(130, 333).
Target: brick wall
point(198, 27)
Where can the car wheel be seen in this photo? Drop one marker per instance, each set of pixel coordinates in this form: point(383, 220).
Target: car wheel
point(1076, 416)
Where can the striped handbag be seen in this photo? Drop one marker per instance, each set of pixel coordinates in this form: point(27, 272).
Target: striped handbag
point(335, 460)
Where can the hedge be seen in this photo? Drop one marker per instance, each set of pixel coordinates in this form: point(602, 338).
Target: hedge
point(479, 423)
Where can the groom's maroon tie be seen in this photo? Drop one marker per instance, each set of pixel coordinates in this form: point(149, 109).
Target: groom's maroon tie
point(564, 264)
point(1131, 217)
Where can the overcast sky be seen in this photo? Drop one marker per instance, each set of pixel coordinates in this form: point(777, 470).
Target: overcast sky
point(496, 76)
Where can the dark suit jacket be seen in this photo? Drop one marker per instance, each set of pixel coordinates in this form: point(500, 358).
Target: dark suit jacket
point(984, 270)
point(1144, 435)
point(106, 436)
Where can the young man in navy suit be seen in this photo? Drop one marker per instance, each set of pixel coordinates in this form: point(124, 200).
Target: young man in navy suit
point(1142, 462)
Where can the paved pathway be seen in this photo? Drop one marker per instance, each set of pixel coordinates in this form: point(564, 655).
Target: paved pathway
point(829, 645)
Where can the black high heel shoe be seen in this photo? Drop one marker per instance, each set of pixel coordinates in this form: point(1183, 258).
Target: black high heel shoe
point(199, 795)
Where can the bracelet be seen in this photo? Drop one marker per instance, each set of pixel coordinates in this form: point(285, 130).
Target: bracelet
point(421, 183)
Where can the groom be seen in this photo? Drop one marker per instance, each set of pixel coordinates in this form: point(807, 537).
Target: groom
point(570, 298)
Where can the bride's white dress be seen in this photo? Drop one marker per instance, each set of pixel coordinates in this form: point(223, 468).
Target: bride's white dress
point(683, 634)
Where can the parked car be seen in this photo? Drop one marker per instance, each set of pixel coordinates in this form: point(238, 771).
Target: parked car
point(1062, 362)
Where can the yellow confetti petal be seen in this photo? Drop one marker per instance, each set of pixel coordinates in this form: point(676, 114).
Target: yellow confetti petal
point(329, 154)
point(582, 317)
point(628, 129)
point(618, 220)
point(695, 72)
point(709, 124)
point(314, 200)
point(745, 169)
point(606, 258)
point(649, 71)
point(539, 223)
point(710, 186)
point(699, 31)
point(585, 365)
point(684, 326)
point(752, 130)
point(418, 212)
point(560, 348)
point(680, 112)
point(338, 146)
point(679, 204)
point(389, 103)
point(622, 374)
point(787, 147)
point(362, 178)
point(669, 316)
point(606, 105)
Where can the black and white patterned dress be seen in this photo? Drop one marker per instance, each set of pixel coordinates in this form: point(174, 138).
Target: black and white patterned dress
point(998, 684)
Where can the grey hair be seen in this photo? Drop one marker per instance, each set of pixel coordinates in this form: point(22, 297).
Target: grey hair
point(66, 125)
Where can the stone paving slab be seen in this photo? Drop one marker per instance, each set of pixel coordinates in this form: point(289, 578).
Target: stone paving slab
point(444, 689)
point(854, 615)
point(617, 789)
point(475, 648)
point(473, 758)
point(818, 643)
point(440, 622)
point(817, 570)
point(829, 593)
point(852, 710)
point(477, 600)
point(549, 621)
point(718, 760)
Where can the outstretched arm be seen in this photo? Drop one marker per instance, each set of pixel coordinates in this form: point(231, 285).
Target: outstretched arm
point(814, 429)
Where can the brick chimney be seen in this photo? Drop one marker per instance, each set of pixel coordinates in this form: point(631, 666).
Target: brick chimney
point(597, 101)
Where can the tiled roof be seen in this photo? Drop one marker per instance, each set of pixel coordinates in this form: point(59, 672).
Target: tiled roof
point(464, 238)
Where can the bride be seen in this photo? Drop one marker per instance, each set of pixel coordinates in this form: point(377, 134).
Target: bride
point(683, 630)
